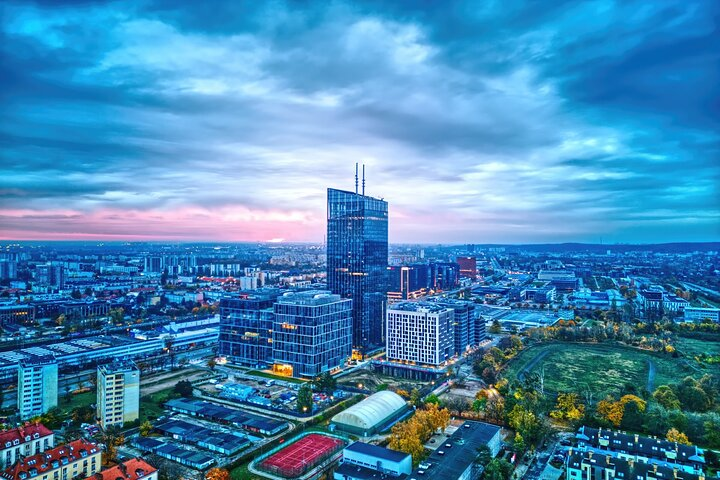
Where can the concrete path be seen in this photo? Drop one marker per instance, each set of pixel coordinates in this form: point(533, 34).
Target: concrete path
point(651, 376)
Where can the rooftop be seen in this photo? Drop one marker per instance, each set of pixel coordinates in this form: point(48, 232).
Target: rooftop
point(424, 307)
point(376, 451)
point(132, 469)
point(24, 433)
point(455, 460)
point(309, 297)
point(49, 460)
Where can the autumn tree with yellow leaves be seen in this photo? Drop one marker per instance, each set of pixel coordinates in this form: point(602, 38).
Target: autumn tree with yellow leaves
point(675, 435)
point(568, 407)
point(410, 436)
point(613, 410)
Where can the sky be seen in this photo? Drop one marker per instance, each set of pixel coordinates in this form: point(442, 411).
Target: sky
point(479, 122)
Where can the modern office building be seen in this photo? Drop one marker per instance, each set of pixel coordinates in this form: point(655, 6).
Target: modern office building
point(51, 274)
point(37, 386)
point(357, 260)
point(118, 393)
point(8, 270)
point(408, 282)
point(701, 314)
point(246, 325)
point(465, 329)
point(24, 441)
point(311, 333)
point(420, 333)
point(468, 267)
point(444, 276)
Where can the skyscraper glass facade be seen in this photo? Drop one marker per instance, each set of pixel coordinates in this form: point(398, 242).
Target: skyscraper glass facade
point(311, 333)
point(357, 259)
point(246, 325)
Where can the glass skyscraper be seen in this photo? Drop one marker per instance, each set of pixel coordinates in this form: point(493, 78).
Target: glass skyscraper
point(311, 333)
point(357, 259)
point(246, 324)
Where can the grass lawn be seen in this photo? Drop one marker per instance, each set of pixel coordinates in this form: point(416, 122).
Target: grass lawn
point(242, 473)
point(79, 400)
point(260, 373)
point(150, 405)
point(605, 369)
point(691, 347)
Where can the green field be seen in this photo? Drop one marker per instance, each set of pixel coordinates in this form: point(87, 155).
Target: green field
point(79, 400)
point(604, 369)
point(150, 405)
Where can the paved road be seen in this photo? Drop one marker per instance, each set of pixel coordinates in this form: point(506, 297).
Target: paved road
point(651, 376)
point(531, 365)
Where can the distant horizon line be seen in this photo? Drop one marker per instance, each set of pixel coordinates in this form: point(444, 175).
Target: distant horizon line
point(278, 243)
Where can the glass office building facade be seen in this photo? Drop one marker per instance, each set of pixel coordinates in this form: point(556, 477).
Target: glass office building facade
point(357, 259)
point(311, 333)
point(246, 324)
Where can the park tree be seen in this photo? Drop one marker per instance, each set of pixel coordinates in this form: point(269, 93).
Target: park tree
point(217, 474)
point(82, 414)
point(692, 396)
point(410, 435)
point(498, 469)
point(666, 397)
point(184, 388)
point(712, 431)
point(519, 443)
point(117, 315)
point(495, 328)
point(568, 407)
point(495, 408)
point(525, 422)
point(459, 405)
point(304, 399)
point(145, 428)
point(112, 437)
point(611, 410)
point(432, 398)
point(674, 435)
point(415, 398)
point(325, 383)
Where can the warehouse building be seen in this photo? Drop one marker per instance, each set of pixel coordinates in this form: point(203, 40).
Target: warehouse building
point(374, 414)
point(365, 461)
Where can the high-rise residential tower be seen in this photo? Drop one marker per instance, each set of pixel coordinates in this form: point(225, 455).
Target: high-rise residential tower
point(118, 393)
point(357, 259)
point(420, 333)
point(37, 386)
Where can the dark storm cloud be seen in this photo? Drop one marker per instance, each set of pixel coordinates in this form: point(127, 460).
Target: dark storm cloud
point(517, 120)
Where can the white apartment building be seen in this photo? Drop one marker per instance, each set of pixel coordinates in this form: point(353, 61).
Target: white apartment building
point(419, 333)
point(118, 393)
point(37, 386)
point(701, 314)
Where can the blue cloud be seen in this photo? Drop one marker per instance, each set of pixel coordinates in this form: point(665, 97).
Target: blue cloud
point(517, 121)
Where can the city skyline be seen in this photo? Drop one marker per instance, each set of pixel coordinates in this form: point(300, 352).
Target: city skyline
point(491, 123)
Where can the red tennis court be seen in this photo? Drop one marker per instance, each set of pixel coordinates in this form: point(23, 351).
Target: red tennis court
point(301, 456)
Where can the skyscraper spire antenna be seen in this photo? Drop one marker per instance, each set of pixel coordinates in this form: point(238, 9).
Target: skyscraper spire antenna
point(363, 190)
point(356, 177)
